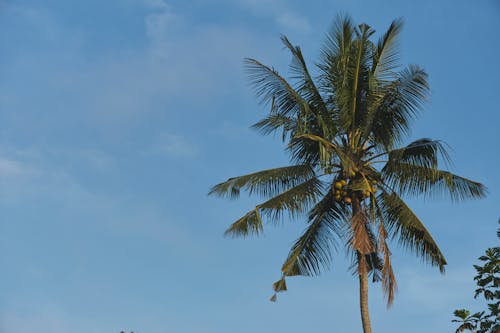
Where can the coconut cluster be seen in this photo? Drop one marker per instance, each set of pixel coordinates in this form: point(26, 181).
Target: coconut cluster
point(343, 193)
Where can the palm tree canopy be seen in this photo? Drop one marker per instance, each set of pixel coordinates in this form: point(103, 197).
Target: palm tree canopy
point(343, 128)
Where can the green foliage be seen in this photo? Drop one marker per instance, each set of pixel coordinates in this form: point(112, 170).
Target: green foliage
point(488, 286)
point(266, 183)
point(345, 126)
point(403, 224)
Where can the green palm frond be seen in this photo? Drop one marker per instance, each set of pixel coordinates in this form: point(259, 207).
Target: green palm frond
point(294, 201)
point(411, 233)
point(423, 152)
point(337, 154)
point(335, 57)
point(401, 99)
point(358, 74)
point(250, 224)
point(312, 251)
point(308, 90)
point(386, 56)
point(305, 151)
point(338, 41)
point(265, 183)
point(335, 78)
point(344, 71)
point(274, 122)
point(416, 180)
point(270, 86)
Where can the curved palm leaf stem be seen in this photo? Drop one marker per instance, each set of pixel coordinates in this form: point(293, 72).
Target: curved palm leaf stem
point(379, 161)
point(333, 144)
point(396, 150)
point(387, 187)
point(356, 81)
point(376, 156)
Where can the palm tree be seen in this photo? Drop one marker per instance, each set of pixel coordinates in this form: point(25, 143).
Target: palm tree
point(343, 128)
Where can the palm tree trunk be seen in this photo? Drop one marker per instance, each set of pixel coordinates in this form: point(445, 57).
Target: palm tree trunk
point(363, 293)
point(363, 278)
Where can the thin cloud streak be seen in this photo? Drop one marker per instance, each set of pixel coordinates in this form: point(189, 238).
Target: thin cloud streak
point(279, 12)
point(174, 145)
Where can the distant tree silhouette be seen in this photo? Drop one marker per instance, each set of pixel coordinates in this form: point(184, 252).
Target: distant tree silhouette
point(488, 285)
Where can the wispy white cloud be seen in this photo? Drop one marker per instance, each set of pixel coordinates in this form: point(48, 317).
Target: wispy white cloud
point(280, 12)
point(37, 175)
point(9, 168)
point(112, 90)
point(16, 170)
point(92, 158)
point(174, 145)
point(19, 322)
point(290, 20)
point(156, 4)
point(159, 20)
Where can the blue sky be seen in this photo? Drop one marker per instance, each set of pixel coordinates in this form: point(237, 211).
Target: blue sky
point(116, 117)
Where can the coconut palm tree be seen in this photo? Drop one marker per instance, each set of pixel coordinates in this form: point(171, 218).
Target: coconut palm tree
point(343, 127)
